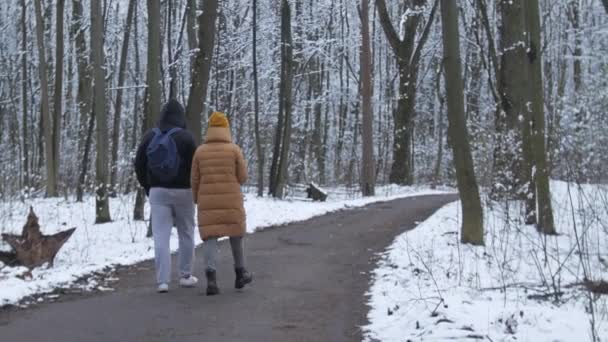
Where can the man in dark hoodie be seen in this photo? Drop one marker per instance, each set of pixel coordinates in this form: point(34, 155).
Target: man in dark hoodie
point(170, 196)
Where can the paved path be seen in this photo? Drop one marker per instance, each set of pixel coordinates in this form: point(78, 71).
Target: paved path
point(310, 284)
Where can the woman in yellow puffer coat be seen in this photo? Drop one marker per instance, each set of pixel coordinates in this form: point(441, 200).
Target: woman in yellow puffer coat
point(218, 171)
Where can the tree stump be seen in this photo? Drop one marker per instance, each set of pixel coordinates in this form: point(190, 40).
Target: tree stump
point(316, 193)
point(32, 248)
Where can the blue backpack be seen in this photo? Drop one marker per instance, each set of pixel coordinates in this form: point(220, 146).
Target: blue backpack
point(163, 157)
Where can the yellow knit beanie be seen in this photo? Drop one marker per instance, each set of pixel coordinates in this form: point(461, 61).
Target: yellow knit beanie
point(218, 119)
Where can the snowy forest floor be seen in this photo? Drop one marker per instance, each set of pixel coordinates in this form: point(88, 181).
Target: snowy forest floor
point(94, 251)
point(522, 286)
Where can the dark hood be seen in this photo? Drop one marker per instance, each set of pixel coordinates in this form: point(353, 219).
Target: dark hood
point(172, 115)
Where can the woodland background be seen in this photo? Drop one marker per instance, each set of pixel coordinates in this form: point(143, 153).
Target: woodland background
point(81, 80)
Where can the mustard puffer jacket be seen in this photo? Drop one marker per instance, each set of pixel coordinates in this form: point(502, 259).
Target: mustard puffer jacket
point(218, 171)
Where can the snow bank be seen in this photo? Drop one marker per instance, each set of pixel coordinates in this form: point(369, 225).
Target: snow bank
point(122, 242)
point(429, 287)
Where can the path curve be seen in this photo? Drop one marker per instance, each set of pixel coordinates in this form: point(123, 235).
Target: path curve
point(310, 284)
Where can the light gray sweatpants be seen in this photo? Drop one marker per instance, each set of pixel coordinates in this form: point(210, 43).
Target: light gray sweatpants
point(169, 208)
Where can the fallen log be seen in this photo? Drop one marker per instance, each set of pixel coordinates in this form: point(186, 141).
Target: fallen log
point(32, 248)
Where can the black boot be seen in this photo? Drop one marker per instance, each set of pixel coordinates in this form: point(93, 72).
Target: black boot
point(212, 288)
point(243, 277)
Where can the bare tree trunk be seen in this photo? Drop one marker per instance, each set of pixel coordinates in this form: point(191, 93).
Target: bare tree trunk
point(256, 103)
point(153, 81)
point(408, 55)
point(316, 80)
point(541, 176)
point(191, 22)
point(102, 205)
point(605, 3)
point(84, 97)
point(574, 15)
point(24, 95)
point(140, 198)
point(124, 52)
point(153, 98)
point(368, 175)
point(510, 175)
point(276, 150)
point(171, 54)
point(472, 215)
point(57, 102)
point(555, 107)
point(437, 171)
point(51, 177)
point(285, 96)
point(202, 67)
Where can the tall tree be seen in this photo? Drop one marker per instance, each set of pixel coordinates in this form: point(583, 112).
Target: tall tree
point(256, 101)
point(201, 69)
point(24, 96)
point(138, 125)
point(153, 98)
point(368, 177)
point(124, 52)
point(51, 177)
point(545, 222)
point(280, 157)
point(58, 100)
point(408, 55)
point(191, 22)
point(102, 202)
point(574, 16)
point(510, 169)
point(84, 98)
point(472, 215)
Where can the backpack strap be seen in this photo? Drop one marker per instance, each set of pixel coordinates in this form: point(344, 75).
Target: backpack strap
point(173, 130)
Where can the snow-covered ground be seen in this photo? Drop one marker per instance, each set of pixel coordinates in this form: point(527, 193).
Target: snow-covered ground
point(93, 248)
point(429, 287)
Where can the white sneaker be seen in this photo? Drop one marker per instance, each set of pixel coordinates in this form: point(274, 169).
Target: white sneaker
point(189, 281)
point(163, 288)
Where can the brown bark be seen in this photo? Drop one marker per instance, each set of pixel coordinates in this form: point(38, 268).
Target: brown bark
point(541, 175)
point(84, 96)
point(408, 55)
point(201, 68)
point(510, 170)
point(153, 74)
point(57, 102)
point(439, 135)
point(368, 175)
point(124, 52)
point(256, 104)
point(51, 177)
point(102, 205)
point(285, 95)
point(24, 96)
point(472, 215)
point(191, 22)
